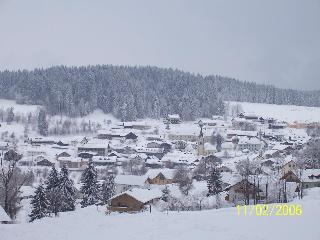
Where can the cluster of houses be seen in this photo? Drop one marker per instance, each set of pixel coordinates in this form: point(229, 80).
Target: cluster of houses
point(163, 146)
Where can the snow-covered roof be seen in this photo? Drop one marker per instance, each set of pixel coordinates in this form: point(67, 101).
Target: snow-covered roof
point(209, 146)
point(141, 155)
point(38, 150)
point(122, 132)
point(230, 178)
point(168, 173)
point(141, 123)
point(132, 180)
point(4, 144)
point(153, 160)
point(270, 152)
point(311, 175)
point(280, 124)
point(72, 159)
point(4, 216)
point(288, 159)
point(150, 150)
point(188, 129)
point(42, 139)
point(179, 157)
point(241, 133)
point(227, 145)
point(281, 147)
point(237, 119)
point(112, 159)
point(99, 144)
point(246, 140)
point(143, 195)
point(269, 160)
point(173, 116)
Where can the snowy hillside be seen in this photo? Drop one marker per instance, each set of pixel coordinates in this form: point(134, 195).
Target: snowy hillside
point(88, 223)
point(289, 113)
point(20, 108)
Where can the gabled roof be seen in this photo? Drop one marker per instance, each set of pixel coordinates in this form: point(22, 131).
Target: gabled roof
point(131, 180)
point(153, 160)
point(142, 195)
point(242, 183)
point(292, 175)
point(288, 159)
point(167, 173)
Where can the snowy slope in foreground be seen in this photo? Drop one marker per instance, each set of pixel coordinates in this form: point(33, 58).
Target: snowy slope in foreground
point(289, 113)
point(222, 224)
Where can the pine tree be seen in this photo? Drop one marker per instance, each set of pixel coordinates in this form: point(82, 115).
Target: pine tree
point(26, 131)
point(90, 187)
point(67, 191)
point(167, 125)
point(53, 191)
point(165, 194)
point(214, 183)
point(10, 116)
point(219, 140)
point(107, 189)
point(156, 108)
point(40, 204)
point(42, 123)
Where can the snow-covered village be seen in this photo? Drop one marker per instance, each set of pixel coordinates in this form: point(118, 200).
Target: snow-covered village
point(159, 120)
point(149, 167)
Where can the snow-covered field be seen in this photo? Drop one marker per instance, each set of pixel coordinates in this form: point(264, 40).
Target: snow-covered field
point(222, 224)
point(21, 108)
point(289, 113)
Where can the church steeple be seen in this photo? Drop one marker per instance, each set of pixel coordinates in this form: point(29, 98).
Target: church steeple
point(200, 123)
point(201, 150)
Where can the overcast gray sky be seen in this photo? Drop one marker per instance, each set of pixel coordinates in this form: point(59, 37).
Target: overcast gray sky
point(275, 42)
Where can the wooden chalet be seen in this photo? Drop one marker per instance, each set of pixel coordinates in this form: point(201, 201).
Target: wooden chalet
point(160, 176)
point(241, 190)
point(134, 200)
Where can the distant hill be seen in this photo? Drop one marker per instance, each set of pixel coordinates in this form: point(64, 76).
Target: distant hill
point(288, 113)
point(137, 92)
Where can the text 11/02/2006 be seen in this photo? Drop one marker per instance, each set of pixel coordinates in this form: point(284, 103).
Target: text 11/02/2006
point(270, 210)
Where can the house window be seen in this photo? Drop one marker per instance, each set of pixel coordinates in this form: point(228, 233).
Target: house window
point(121, 204)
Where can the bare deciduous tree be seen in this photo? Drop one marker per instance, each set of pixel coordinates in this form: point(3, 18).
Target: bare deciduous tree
point(182, 177)
point(11, 181)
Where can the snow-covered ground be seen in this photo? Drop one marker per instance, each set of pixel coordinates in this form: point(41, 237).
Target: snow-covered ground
point(21, 108)
point(289, 113)
point(222, 224)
